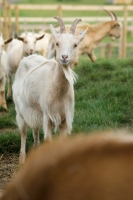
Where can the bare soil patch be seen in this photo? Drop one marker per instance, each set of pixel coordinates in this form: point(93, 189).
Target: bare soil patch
point(9, 164)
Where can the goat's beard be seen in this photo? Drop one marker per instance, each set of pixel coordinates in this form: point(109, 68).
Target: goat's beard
point(112, 38)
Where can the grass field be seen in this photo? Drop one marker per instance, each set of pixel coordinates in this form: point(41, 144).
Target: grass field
point(103, 100)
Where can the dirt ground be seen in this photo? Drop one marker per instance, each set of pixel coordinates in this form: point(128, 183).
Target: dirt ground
point(8, 167)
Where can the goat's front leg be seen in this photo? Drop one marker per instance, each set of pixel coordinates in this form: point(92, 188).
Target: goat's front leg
point(22, 127)
point(75, 61)
point(92, 56)
point(63, 129)
point(47, 128)
point(9, 90)
point(36, 137)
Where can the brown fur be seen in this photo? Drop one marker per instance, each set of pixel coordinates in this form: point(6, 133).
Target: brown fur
point(95, 167)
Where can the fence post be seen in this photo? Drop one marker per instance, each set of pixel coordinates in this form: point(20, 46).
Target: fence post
point(109, 50)
point(9, 20)
point(124, 33)
point(1, 3)
point(102, 51)
point(16, 19)
point(5, 18)
point(60, 11)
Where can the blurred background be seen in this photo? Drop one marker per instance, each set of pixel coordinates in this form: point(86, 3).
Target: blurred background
point(20, 15)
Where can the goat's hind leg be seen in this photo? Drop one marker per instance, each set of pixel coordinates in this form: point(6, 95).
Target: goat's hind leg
point(9, 89)
point(22, 127)
point(3, 100)
point(2, 94)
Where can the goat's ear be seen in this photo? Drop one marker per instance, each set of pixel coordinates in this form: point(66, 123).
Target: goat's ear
point(20, 38)
point(117, 25)
point(53, 31)
point(82, 34)
point(7, 41)
point(40, 37)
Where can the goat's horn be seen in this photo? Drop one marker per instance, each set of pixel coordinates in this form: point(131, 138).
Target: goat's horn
point(110, 13)
point(61, 23)
point(74, 24)
point(114, 15)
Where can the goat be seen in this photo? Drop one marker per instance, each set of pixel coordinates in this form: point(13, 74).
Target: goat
point(3, 62)
point(16, 51)
point(43, 89)
point(96, 33)
point(42, 45)
point(94, 167)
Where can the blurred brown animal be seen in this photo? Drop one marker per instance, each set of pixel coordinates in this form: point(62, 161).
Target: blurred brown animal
point(94, 167)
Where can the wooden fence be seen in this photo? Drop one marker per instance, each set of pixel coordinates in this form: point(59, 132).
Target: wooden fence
point(36, 22)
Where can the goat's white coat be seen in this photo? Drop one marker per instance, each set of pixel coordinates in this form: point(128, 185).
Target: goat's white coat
point(42, 45)
point(43, 91)
point(3, 64)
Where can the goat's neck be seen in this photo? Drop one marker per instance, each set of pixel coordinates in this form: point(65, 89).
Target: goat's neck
point(102, 31)
point(65, 75)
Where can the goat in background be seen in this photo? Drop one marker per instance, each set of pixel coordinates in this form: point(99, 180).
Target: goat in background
point(24, 45)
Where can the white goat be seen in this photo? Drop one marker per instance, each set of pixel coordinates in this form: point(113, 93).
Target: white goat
point(93, 167)
point(42, 45)
point(3, 63)
point(96, 33)
point(43, 89)
point(16, 51)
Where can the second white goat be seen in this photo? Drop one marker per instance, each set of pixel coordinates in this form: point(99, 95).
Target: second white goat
point(16, 51)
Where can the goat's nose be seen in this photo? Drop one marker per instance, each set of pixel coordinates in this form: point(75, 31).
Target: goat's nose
point(31, 51)
point(64, 56)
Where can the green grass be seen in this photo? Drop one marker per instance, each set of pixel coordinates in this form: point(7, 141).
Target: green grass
point(103, 100)
point(104, 95)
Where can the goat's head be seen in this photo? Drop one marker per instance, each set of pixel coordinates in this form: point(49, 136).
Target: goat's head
point(3, 42)
point(66, 43)
point(29, 39)
point(115, 31)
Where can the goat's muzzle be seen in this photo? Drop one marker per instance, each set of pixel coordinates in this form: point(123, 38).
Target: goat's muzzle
point(64, 60)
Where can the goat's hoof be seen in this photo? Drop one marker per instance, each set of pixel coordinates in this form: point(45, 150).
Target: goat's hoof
point(22, 159)
point(48, 139)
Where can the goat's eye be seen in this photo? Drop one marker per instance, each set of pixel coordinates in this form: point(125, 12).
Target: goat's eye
point(117, 26)
point(57, 44)
point(75, 46)
point(25, 42)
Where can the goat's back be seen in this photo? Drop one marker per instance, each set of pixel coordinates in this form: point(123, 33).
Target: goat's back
point(78, 168)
